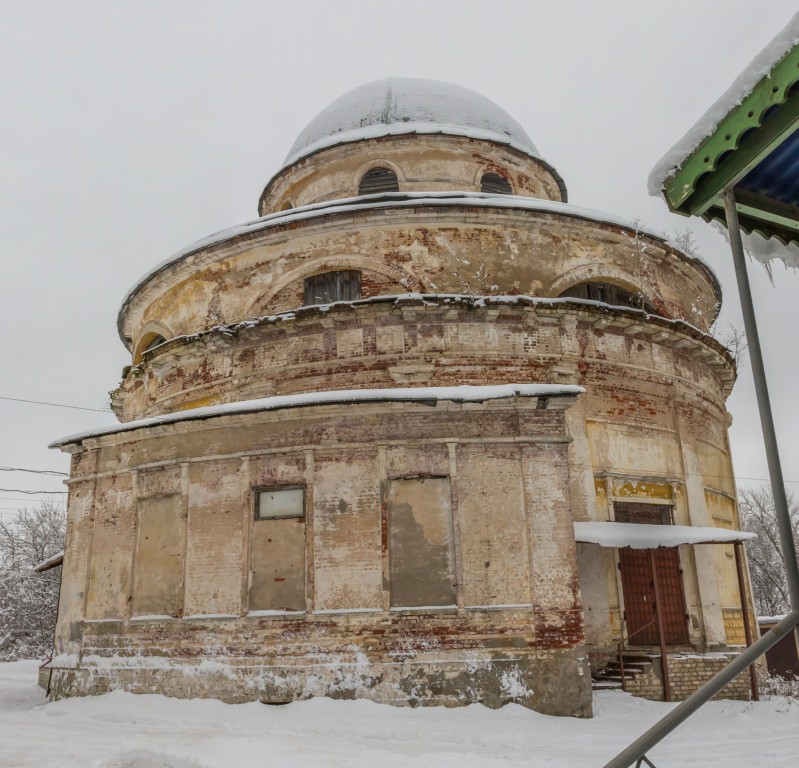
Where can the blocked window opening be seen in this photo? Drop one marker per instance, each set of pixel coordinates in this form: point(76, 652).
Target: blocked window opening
point(495, 184)
point(421, 557)
point(333, 286)
point(378, 180)
point(158, 586)
point(608, 294)
point(277, 550)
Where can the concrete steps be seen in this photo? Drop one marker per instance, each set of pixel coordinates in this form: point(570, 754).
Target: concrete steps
point(608, 677)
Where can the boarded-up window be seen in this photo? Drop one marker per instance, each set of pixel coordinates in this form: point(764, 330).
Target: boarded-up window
point(158, 588)
point(421, 558)
point(277, 550)
point(333, 286)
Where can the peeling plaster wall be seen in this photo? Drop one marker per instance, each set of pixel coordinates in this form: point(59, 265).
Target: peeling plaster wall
point(631, 361)
point(453, 249)
point(515, 633)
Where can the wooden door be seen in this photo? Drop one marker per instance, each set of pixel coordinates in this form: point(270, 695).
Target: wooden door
point(638, 587)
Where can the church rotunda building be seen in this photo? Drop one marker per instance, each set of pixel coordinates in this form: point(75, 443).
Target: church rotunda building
point(357, 433)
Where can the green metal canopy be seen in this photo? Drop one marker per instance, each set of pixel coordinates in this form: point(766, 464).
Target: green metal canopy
point(753, 149)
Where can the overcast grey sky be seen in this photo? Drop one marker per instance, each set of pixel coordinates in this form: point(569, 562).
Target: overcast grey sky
point(131, 129)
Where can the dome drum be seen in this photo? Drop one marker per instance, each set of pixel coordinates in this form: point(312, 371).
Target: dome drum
point(406, 247)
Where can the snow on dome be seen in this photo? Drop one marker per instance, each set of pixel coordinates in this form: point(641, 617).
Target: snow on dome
point(397, 106)
point(759, 68)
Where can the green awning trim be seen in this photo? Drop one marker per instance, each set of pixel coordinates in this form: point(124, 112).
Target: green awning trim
point(750, 132)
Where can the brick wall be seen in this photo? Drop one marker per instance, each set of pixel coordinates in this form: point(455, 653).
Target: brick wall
point(686, 674)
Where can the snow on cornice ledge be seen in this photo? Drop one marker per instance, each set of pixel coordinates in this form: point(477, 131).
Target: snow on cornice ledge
point(462, 394)
point(758, 68)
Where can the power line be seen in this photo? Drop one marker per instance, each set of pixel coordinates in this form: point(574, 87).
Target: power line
point(56, 405)
point(22, 490)
point(34, 471)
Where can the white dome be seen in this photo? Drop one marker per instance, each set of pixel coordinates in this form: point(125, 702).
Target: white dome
point(396, 106)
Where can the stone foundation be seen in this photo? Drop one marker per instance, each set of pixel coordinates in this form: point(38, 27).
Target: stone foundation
point(553, 682)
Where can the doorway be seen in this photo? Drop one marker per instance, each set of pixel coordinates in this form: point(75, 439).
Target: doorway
point(638, 587)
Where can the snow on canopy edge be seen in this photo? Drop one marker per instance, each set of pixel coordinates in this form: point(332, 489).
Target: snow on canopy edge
point(464, 393)
point(758, 68)
point(642, 536)
point(401, 199)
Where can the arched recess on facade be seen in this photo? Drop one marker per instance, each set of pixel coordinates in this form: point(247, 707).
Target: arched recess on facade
point(601, 274)
point(364, 264)
point(372, 165)
point(150, 337)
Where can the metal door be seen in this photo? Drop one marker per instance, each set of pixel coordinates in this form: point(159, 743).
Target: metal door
point(637, 585)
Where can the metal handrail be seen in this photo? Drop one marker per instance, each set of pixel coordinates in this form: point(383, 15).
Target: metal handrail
point(621, 643)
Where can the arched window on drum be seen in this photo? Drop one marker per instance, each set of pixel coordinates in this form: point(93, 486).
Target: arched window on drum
point(378, 180)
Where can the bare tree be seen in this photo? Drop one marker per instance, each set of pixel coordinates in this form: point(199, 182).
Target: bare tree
point(29, 600)
point(766, 563)
point(475, 280)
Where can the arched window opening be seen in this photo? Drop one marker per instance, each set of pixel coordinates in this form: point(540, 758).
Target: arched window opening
point(287, 206)
point(333, 286)
point(494, 184)
point(608, 293)
point(378, 180)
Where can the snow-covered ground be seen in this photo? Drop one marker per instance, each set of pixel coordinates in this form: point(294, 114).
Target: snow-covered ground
point(120, 730)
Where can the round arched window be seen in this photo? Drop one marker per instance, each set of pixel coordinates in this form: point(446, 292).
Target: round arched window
point(494, 184)
point(378, 180)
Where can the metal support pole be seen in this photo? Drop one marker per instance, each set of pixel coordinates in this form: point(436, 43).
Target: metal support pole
point(664, 661)
point(763, 401)
point(739, 567)
point(683, 711)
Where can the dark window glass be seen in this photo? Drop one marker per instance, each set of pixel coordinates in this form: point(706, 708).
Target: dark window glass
point(378, 180)
point(495, 184)
point(333, 286)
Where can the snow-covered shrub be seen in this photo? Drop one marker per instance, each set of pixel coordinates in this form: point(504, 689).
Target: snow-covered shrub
point(773, 686)
point(29, 600)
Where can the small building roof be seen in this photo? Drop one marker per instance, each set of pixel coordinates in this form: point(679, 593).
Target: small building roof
point(748, 139)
